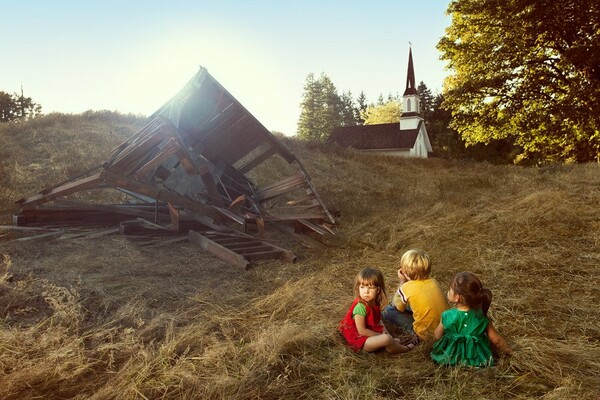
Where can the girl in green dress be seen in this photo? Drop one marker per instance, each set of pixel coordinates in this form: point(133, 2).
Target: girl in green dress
point(464, 333)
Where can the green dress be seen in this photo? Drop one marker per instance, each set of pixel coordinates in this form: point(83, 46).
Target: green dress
point(465, 341)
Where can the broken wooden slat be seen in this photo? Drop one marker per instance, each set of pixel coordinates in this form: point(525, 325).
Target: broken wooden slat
point(171, 147)
point(220, 251)
point(306, 240)
point(248, 248)
point(263, 255)
point(163, 242)
point(153, 191)
point(281, 187)
point(63, 190)
point(50, 235)
point(238, 219)
point(264, 155)
point(313, 227)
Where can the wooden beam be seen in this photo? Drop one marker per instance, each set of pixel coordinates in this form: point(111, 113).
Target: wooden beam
point(152, 191)
point(63, 190)
point(264, 155)
point(285, 186)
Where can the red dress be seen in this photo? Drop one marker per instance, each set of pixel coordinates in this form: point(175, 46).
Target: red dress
point(348, 326)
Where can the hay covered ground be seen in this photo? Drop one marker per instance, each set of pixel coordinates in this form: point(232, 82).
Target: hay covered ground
point(109, 319)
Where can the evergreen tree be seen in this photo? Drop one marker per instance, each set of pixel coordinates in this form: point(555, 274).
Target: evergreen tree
point(333, 107)
point(321, 109)
point(362, 107)
point(349, 110)
point(426, 100)
point(309, 124)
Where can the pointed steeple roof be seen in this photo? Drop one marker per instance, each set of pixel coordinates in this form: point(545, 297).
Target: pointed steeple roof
point(410, 77)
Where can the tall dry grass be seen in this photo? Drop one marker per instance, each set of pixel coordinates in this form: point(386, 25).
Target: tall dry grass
point(109, 319)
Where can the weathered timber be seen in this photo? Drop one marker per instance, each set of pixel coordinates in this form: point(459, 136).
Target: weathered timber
point(185, 170)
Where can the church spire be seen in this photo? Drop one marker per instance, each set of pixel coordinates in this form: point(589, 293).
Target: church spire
point(411, 89)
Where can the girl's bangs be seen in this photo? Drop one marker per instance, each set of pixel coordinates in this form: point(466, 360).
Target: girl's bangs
point(368, 281)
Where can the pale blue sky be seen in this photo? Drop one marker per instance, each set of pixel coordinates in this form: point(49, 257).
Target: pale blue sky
point(132, 56)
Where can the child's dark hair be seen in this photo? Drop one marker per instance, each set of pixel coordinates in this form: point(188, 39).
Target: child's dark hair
point(372, 277)
point(468, 286)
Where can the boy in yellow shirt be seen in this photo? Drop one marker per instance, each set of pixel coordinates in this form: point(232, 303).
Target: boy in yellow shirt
point(418, 303)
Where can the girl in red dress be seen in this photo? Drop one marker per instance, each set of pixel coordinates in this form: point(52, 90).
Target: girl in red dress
point(362, 326)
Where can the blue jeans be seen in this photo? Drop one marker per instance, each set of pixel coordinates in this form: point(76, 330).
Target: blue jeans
point(399, 318)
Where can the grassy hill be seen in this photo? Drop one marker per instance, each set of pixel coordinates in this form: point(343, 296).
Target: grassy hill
point(106, 318)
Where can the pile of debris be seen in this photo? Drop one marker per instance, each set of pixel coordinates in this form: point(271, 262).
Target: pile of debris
point(183, 176)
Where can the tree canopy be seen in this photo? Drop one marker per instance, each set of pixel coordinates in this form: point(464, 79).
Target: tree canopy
point(322, 109)
point(527, 71)
point(382, 114)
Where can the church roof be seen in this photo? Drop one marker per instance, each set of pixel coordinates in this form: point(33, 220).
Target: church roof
point(375, 137)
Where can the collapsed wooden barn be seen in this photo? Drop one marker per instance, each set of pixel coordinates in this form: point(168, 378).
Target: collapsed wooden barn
point(185, 173)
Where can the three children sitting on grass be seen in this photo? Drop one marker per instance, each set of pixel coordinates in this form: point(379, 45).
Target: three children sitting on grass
point(464, 334)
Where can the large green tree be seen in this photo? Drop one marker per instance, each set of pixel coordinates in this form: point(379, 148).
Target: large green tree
point(527, 71)
point(322, 109)
point(388, 112)
point(427, 100)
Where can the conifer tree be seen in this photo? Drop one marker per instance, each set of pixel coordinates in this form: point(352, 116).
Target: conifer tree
point(321, 109)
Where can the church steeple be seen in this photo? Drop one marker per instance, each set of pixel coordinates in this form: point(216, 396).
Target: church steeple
point(410, 76)
point(410, 118)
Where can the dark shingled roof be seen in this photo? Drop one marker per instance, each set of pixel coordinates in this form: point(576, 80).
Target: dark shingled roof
point(373, 137)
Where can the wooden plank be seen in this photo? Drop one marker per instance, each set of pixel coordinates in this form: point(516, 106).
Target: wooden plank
point(134, 211)
point(63, 190)
point(309, 197)
point(306, 240)
point(314, 192)
point(50, 235)
point(92, 234)
point(169, 150)
point(243, 249)
point(260, 158)
point(227, 242)
point(218, 250)
point(283, 187)
point(263, 255)
point(152, 191)
point(292, 217)
point(164, 242)
point(25, 228)
point(313, 227)
point(238, 219)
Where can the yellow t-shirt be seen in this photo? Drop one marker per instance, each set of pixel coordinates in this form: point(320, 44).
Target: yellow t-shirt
point(427, 302)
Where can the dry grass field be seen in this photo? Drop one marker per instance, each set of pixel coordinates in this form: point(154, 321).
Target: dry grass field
point(108, 319)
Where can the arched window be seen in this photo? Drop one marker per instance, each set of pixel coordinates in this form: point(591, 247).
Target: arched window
point(408, 105)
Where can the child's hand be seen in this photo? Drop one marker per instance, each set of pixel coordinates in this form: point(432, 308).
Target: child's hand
point(403, 278)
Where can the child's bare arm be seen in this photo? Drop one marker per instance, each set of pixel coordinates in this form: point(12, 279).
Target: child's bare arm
point(439, 331)
point(361, 326)
point(497, 340)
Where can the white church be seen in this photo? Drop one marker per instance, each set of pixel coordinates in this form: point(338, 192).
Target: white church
point(407, 139)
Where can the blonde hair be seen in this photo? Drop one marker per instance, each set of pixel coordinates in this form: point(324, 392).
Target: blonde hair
point(415, 264)
point(371, 277)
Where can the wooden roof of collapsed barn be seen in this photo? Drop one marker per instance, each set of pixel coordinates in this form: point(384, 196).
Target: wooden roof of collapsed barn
point(188, 168)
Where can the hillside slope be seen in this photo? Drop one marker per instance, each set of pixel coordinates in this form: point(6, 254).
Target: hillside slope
point(109, 319)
